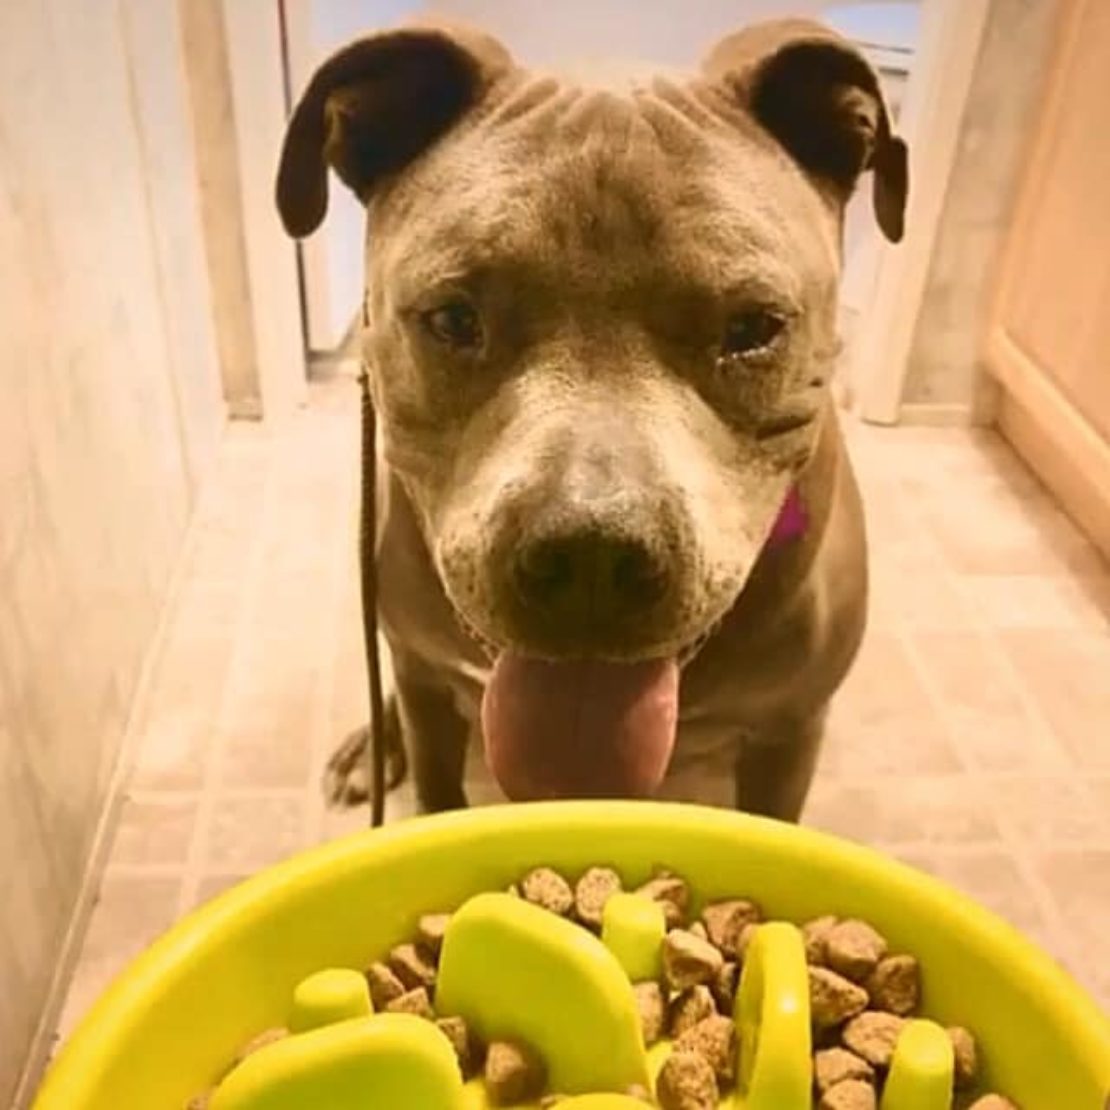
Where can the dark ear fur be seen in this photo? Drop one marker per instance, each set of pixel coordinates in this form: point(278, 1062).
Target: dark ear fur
point(819, 98)
point(373, 107)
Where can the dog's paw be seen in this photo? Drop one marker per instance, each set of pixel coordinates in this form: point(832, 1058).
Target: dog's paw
point(347, 774)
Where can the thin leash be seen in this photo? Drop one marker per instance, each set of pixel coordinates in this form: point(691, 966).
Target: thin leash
point(368, 568)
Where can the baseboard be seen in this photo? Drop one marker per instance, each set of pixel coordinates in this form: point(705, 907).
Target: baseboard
point(245, 408)
point(938, 415)
point(43, 1044)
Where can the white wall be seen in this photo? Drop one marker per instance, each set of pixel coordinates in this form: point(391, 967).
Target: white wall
point(109, 418)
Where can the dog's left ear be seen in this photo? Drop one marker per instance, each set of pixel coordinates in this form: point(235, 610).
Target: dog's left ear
point(821, 101)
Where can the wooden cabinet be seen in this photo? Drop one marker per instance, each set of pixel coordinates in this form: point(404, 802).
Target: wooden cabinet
point(1048, 339)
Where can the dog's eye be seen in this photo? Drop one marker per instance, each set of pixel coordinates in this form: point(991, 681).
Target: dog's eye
point(750, 332)
point(454, 324)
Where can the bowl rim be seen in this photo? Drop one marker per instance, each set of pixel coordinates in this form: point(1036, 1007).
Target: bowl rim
point(91, 1042)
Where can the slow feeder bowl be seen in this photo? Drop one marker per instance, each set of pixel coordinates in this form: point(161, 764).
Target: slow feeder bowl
point(169, 1025)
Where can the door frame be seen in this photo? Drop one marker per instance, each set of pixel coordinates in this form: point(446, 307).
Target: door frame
point(931, 120)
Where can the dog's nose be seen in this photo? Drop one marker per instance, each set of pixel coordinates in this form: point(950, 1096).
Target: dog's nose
point(589, 575)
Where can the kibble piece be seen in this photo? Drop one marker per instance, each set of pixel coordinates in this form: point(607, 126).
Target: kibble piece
point(854, 949)
point(412, 967)
point(592, 891)
point(430, 931)
point(725, 921)
point(413, 1002)
point(895, 985)
point(457, 1032)
point(814, 935)
point(852, 1094)
point(967, 1056)
point(836, 1065)
point(549, 890)
point(688, 1008)
point(686, 1082)
point(724, 986)
point(699, 930)
point(672, 893)
point(384, 985)
point(715, 1040)
point(256, 1044)
point(688, 961)
point(873, 1036)
point(653, 1010)
point(833, 999)
point(513, 1074)
point(992, 1102)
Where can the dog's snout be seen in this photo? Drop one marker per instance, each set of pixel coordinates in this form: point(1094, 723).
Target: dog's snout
point(587, 575)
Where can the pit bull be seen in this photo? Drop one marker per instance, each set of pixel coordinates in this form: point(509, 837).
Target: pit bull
point(618, 536)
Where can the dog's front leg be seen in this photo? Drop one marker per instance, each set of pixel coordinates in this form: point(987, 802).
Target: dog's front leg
point(775, 765)
point(435, 735)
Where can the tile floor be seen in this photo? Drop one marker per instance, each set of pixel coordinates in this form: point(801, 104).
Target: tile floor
point(973, 738)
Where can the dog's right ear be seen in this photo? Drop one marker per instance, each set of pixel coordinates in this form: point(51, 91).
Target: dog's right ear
point(373, 107)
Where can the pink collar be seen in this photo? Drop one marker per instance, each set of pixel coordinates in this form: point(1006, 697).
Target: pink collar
point(792, 521)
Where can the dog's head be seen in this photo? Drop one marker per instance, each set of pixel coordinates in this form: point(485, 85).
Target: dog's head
point(600, 316)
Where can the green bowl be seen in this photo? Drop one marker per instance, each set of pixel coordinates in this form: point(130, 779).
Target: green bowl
point(169, 1024)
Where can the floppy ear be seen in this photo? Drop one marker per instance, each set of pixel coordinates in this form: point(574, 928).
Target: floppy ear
point(821, 101)
point(373, 107)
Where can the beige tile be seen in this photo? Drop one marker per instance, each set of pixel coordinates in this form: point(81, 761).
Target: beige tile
point(984, 527)
point(1100, 789)
point(917, 809)
point(155, 830)
point(349, 706)
point(210, 886)
point(175, 736)
point(1042, 602)
point(266, 734)
point(883, 721)
point(921, 598)
point(1045, 810)
point(993, 878)
point(131, 913)
point(248, 831)
point(989, 725)
point(1066, 674)
point(1080, 883)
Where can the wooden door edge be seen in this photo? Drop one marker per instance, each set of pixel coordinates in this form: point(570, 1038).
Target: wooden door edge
point(1061, 447)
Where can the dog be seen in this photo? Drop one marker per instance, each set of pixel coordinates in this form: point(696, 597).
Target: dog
point(618, 535)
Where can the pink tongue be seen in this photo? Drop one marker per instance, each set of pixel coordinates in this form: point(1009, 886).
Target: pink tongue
point(583, 729)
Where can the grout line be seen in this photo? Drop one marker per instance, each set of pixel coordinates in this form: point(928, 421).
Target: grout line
point(193, 869)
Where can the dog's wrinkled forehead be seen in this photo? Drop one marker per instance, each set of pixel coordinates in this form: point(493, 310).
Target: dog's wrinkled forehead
point(626, 173)
point(774, 108)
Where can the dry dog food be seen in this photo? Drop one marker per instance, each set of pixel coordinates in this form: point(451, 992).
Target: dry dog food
point(514, 1074)
point(861, 996)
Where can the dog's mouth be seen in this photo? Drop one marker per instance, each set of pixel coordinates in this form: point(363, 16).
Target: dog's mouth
point(580, 728)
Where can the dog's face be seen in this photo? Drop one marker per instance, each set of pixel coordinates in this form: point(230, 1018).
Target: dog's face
point(600, 320)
